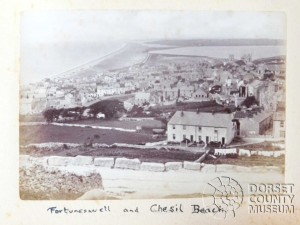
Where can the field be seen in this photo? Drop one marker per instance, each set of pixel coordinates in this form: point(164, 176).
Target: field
point(32, 118)
point(52, 133)
point(249, 161)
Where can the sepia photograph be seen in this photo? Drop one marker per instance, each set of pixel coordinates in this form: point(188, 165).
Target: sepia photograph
point(150, 104)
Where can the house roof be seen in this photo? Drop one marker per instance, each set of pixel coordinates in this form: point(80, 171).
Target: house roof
point(142, 95)
point(225, 74)
point(171, 89)
point(241, 114)
point(249, 76)
point(187, 88)
point(202, 119)
point(200, 91)
point(256, 83)
point(258, 116)
point(276, 67)
point(262, 116)
point(279, 116)
point(240, 62)
point(281, 105)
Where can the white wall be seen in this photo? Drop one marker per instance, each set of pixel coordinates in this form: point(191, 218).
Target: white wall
point(228, 134)
point(277, 128)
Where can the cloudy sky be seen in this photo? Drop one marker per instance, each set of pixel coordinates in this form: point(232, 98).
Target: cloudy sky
point(54, 41)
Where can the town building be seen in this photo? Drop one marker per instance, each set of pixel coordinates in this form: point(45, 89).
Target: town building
point(186, 91)
point(200, 95)
point(279, 125)
point(201, 126)
point(141, 97)
point(253, 123)
point(25, 106)
point(170, 94)
point(277, 69)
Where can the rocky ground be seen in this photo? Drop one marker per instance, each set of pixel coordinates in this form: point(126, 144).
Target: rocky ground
point(39, 181)
point(36, 182)
point(149, 155)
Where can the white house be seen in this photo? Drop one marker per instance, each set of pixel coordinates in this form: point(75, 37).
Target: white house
point(186, 91)
point(128, 104)
point(40, 92)
point(25, 106)
point(201, 126)
point(100, 115)
point(141, 98)
point(200, 95)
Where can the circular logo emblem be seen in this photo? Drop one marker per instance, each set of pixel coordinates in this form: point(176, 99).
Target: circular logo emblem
point(225, 196)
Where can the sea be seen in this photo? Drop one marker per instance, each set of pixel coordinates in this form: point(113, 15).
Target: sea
point(50, 59)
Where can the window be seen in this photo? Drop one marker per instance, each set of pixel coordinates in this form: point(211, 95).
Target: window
point(199, 128)
point(184, 127)
point(282, 134)
point(173, 126)
point(281, 123)
point(216, 131)
point(174, 137)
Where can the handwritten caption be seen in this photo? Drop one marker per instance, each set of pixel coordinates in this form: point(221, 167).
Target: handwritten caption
point(154, 208)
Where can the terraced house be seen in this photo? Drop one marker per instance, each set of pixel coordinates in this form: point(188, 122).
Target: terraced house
point(201, 126)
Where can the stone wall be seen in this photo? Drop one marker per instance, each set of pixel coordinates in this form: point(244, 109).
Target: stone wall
point(136, 164)
point(124, 163)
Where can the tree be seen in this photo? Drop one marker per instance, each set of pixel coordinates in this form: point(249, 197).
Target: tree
point(136, 110)
point(51, 114)
point(79, 111)
point(249, 101)
point(227, 110)
point(110, 108)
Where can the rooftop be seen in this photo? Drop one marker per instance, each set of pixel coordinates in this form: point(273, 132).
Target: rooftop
point(257, 115)
point(142, 95)
point(202, 119)
point(256, 83)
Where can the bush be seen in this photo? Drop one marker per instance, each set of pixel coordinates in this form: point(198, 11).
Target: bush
point(232, 156)
point(65, 146)
point(268, 146)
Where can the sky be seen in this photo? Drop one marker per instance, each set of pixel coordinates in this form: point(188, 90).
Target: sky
point(55, 41)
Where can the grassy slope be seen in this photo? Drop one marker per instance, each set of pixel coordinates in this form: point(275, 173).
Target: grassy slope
point(51, 133)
